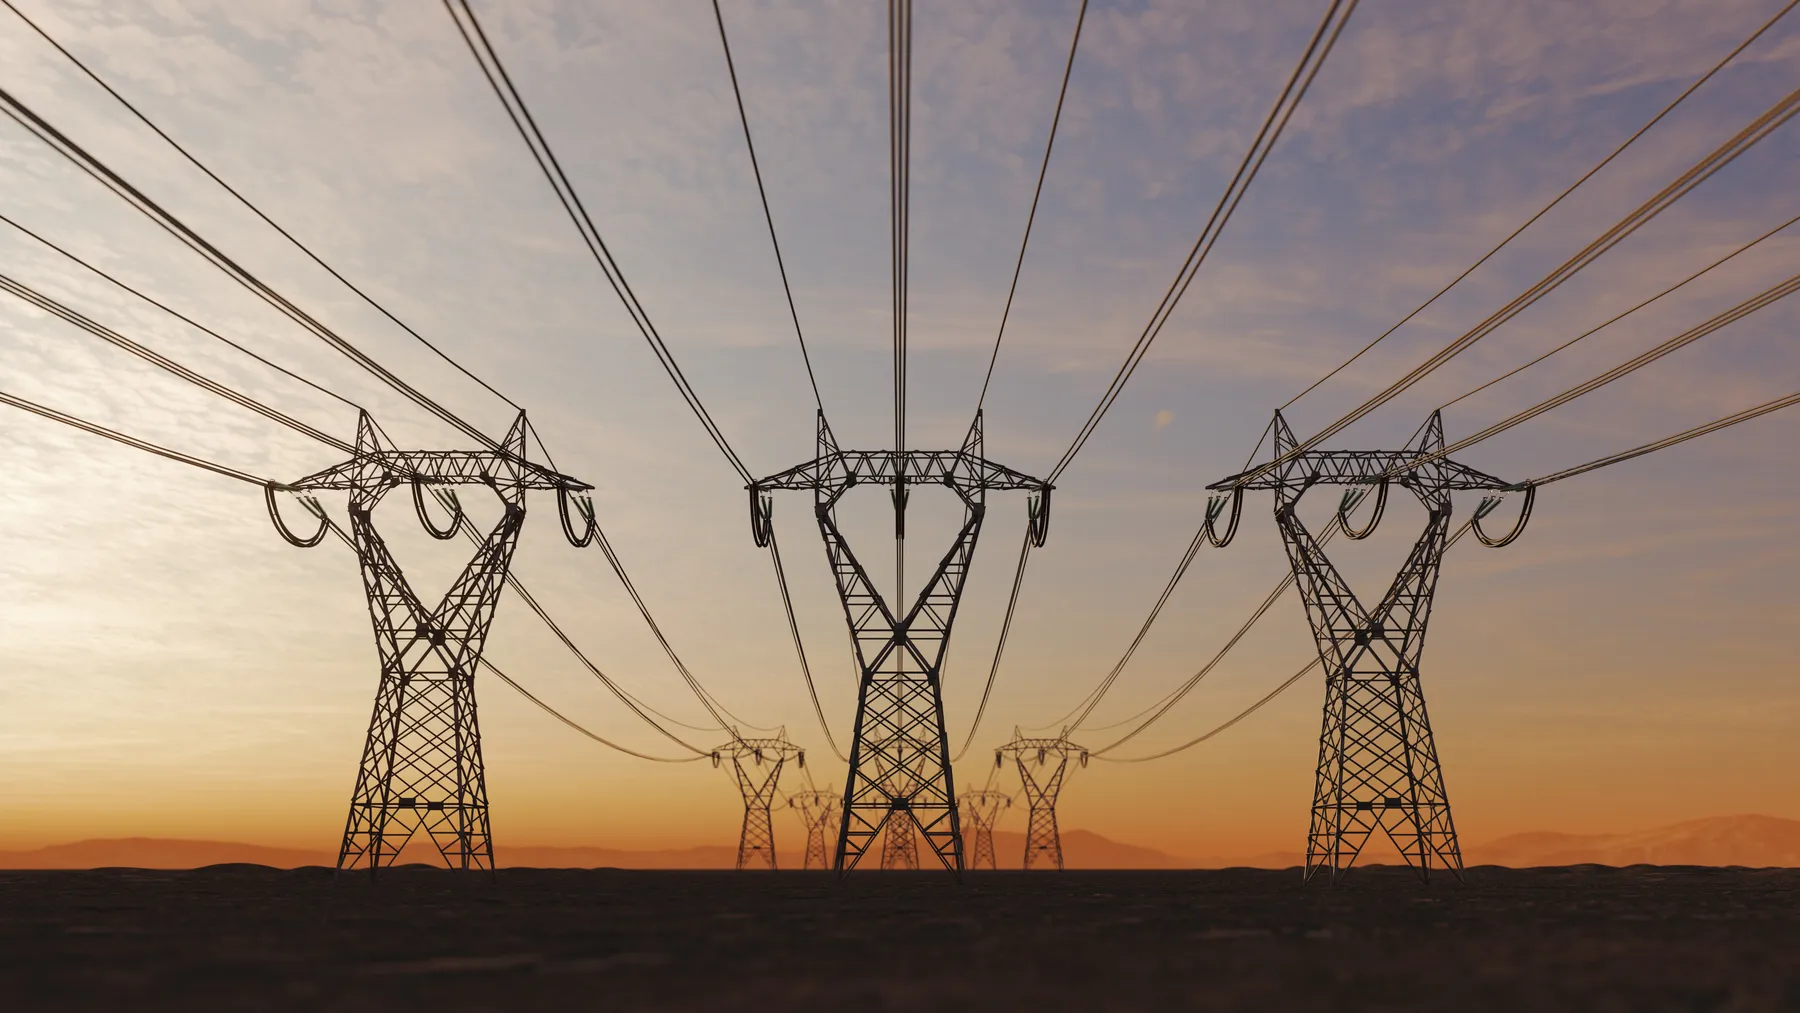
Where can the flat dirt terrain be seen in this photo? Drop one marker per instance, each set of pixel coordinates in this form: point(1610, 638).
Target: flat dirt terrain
point(245, 937)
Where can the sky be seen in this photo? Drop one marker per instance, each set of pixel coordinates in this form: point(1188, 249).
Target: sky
point(175, 669)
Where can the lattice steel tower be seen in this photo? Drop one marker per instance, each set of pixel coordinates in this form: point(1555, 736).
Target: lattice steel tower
point(1043, 841)
point(899, 756)
point(1378, 765)
point(980, 812)
point(757, 764)
point(421, 767)
point(900, 844)
point(819, 811)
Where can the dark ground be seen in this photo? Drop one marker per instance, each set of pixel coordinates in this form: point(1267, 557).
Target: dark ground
point(244, 937)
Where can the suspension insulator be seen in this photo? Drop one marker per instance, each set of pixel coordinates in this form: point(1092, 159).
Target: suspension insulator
point(282, 528)
point(1214, 507)
point(456, 512)
point(715, 758)
point(762, 512)
point(801, 759)
point(1352, 499)
point(585, 507)
point(1037, 512)
point(1487, 507)
point(997, 763)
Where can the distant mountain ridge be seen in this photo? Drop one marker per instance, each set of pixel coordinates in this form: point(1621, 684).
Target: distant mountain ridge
point(1747, 840)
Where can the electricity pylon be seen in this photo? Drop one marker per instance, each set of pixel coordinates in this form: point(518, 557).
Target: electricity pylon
point(899, 845)
point(757, 764)
point(980, 812)
point(421, 766)
point(900, 756)
point(819, 811)
point(1378, 764)
point(1043, 842)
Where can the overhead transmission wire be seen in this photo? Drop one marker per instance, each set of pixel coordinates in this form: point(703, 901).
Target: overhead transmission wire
point(1765, 124)
point(283, 370)
point(1012, 604)
point(1038, 192)
point(1241, 715)
point(34, 123)
point(258, 212)
point(250, 479)
point(787, 600)
point(1685, 435)
point(1541, 212)
point(494, 70)
point(1317, 50)
point(769, 216)
point(1620, 316)
point(22, 114)
point(900, 207)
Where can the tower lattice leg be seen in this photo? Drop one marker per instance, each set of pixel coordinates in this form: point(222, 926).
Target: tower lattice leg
point(1378, 765)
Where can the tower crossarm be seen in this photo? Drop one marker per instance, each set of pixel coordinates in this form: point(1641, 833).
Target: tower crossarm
point(1408, 468)
point(966, 472)
point(392, 468)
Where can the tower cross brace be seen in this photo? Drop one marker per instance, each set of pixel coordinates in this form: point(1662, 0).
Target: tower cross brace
point(421, 767)
point(1378, 767)
point(899, 753)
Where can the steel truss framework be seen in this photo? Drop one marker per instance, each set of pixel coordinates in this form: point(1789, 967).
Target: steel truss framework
point(1043, 842)
point(1378, 764)
point(757, 764)
point(899, 754)
point(819, 812)
point(421, 766)
point(980, 812)
point(900, 843)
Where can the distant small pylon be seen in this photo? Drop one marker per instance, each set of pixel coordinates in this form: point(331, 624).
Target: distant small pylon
point(980, 811)
point(899, 844)
point(757, 764)
point(821, 811)
point(1043, 783)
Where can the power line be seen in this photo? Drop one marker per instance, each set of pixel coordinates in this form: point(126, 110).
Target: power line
point(155, 358)
point(100, 172)
point(769, 216)
point(1038, 192)
point(1317, 50)
point(131, 441)
point(520, 114)
point(1541, 212)
point(558, 715)
point(246, 202)
point(1765, 124)
point(1012, 604)
point(1246, 712)
point(284, 371)
point(787, 604)
point(1615, 319)
point(1669, 441)
point(1761, 300)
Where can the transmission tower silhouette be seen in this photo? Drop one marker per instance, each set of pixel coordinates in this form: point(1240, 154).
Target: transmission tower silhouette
point(981, 810)
point(900, 755)
point(757, 764)
point(1378, 764)
point(1042, 765)
point(819, 811)
point(421, 766)
point(899, 844)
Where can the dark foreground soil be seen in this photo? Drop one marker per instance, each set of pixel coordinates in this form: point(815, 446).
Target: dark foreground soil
point(245, 937)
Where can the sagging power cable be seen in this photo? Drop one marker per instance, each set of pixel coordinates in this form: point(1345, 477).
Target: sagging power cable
point(255, 210)
point(769, 216)
point(787, 605)
point(1317, 50)
point(1771, 120)
point(469, 27)
point(1668, 441)
point(131, 441)
point(168, 222)
point(1012, 605)
point(1558, 199)
point(1037, 193)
